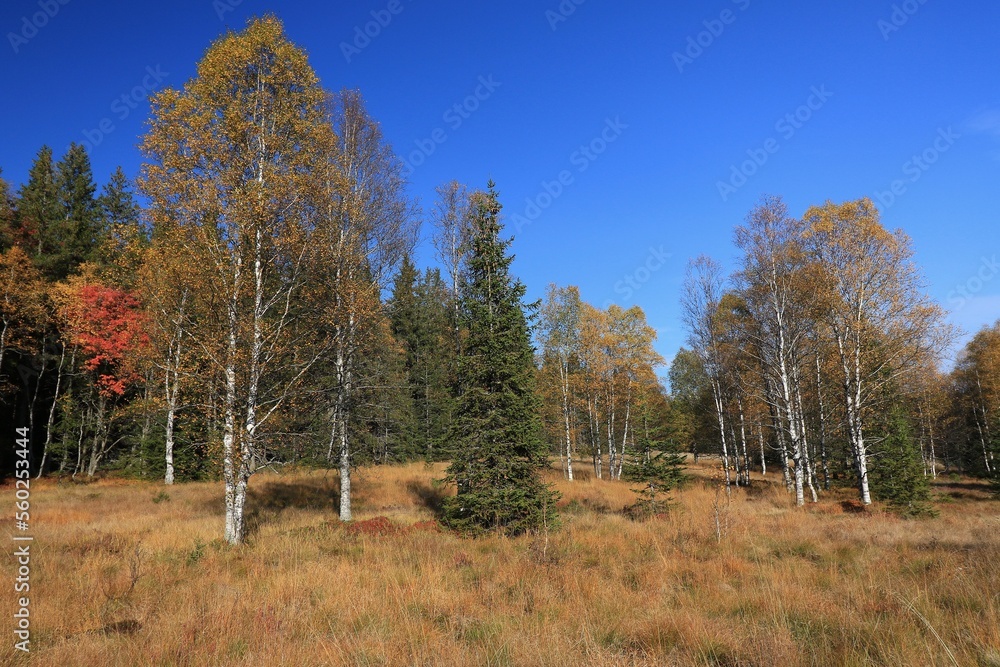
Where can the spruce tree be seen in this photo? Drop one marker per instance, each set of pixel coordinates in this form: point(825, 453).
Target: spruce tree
point(499, 453)
point(382, 412)
point(58, 211)
point(656, 464)
point(420, 322)
point(6, 215)
point(898, 474)
point(402, 308)
point(433, 376)
point(38, 206)
point(117, 202)
point(76, 238)
point(123, 238)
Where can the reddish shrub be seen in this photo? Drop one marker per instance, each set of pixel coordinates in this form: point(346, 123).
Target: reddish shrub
point(376, 526)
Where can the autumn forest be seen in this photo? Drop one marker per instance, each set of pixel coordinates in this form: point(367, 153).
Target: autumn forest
point(249, 309)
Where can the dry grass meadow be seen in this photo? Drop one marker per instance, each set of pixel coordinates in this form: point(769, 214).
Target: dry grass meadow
point(130, 573)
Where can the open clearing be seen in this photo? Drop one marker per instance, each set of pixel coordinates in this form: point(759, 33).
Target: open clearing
point(134, 573)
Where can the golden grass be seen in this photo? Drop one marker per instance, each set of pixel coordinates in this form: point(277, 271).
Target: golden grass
point(784, 586)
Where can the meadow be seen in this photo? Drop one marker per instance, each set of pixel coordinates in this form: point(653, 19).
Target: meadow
point(133, 573)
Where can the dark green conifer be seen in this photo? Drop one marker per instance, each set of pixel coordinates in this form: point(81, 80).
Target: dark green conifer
point(122, 236)
point(498, 449)
point(897, 476)
point(38, 206)
point(75, 239)
point(419, 313)
point(6, 215)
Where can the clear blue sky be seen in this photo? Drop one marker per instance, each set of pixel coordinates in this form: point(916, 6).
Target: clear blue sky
point(886, 83)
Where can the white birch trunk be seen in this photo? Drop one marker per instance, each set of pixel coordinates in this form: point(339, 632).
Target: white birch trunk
point(743, 441)
point(172, 389)
point(564, 382)
point(720, 415)
point(52, 411)
point(595, 432)
point(822, 426)
point(628, 413)
point(231, 467)
point(763, 460)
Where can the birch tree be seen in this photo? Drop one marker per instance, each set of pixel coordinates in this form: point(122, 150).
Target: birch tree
point(773, 286)
point(370, 228)
point(633, 359)
point(881, 321)
point(596, 385)
point(238, 160)
point(700, 299)
point(976, 395)
point(559, 335)
point(452, 216)
point(173, 288)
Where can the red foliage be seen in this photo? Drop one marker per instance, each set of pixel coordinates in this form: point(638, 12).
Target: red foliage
point(376, 526)
point(427, 526)
point(109, 326)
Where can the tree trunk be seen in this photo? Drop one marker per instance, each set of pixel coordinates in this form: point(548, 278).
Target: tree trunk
point(34, 400)
point(564, 382)
point(100, 439)
point(595, 436)
point(172, 388)
point(806, 455)
point(345, 477)
point(791, 419)
point(717, 392)
point(628, 414)
point(933, 462)
point(340, 428)
point(168, 477)
point(763, 460)
point(858, 451)
point(78, 468)
point(612, 447)
point(231, 467)
point(52, 409)
point(779, 432)
point(743, 440)
point(851, 362)
point(822, 426)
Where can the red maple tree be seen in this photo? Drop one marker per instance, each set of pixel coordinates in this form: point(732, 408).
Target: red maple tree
point(109, 326)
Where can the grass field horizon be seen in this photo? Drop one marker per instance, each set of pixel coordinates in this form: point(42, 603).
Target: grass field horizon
point(136, 573)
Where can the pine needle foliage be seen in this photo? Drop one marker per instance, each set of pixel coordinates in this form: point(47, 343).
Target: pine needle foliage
point(498, 449)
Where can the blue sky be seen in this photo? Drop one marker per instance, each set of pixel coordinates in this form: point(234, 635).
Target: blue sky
point(624, 137)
